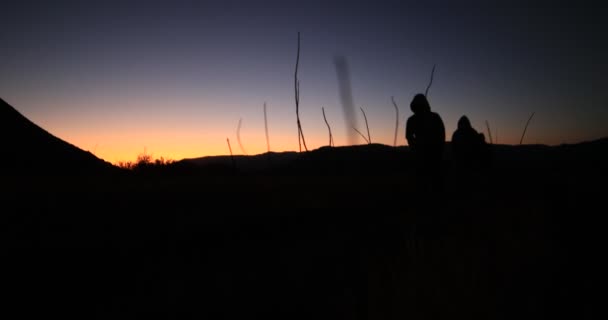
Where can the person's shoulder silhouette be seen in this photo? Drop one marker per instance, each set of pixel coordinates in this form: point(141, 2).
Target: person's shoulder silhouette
point(424, 129)
point(469, 147)
point(425, 135)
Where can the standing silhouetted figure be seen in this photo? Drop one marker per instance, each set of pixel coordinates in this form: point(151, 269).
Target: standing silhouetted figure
point(469, 148)
point(425, 135)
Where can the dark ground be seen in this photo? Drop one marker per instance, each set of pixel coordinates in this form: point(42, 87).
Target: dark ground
point(349, 240)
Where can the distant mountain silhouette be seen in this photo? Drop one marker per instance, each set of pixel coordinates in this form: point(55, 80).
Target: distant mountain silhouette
point(379, 158)
point(368, 158)
point(26, 148)
point(251, 163)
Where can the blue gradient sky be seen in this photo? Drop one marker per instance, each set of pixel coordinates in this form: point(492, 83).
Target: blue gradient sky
point(174, 77)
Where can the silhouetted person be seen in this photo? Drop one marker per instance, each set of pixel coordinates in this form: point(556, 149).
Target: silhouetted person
point(469, 148)
point(425, 135)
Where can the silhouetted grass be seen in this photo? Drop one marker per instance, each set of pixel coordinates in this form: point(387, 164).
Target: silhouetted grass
point(331, 137)
point(296, 83)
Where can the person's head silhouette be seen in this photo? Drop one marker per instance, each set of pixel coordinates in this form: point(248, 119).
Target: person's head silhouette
point(420, 104)
point(464, 123)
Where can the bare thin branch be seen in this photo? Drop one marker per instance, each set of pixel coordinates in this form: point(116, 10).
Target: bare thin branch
point(369, 138)
point(426, 93)
point(525, 128)
point(331, 138)
point(238, 137)
point(396, 121)
point(361, 134)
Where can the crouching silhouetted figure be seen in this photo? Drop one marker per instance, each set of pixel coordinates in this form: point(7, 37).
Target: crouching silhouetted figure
point(469, 148)
point(425, 134)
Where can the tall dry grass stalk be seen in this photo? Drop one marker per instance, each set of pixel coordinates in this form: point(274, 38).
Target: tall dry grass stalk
point(369, 138)
point(525, 128)
point(361, 134)
point(331, 137)
point(296, 84)
point(489, 132)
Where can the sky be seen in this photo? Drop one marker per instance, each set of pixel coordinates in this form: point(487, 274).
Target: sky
point(174, 78)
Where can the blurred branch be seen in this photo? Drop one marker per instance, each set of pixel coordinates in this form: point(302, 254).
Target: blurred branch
point(266, 128)
point(238, 136)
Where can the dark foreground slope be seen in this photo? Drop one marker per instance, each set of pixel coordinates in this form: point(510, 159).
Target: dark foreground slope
point(336, 233)
point(28, 149)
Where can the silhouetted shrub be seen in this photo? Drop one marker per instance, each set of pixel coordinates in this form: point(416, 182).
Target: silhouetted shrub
point(145, 163)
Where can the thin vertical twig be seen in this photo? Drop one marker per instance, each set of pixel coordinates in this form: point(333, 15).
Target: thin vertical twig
point(369, 138)
point(361, 134)
point(489, 132)
point(296, 84)
point(396, 121)
point(331, 137)
point(238, 137)
point(525, 128)
point(266, 128)
point(426, 93)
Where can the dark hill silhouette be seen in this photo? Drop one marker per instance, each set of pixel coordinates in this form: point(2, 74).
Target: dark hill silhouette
point(28, 149)
point(253, 163)
point(379, 158)
point(357, 159)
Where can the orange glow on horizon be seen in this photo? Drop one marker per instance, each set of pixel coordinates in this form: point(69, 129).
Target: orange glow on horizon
point(121, 134)
point(178, 145)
